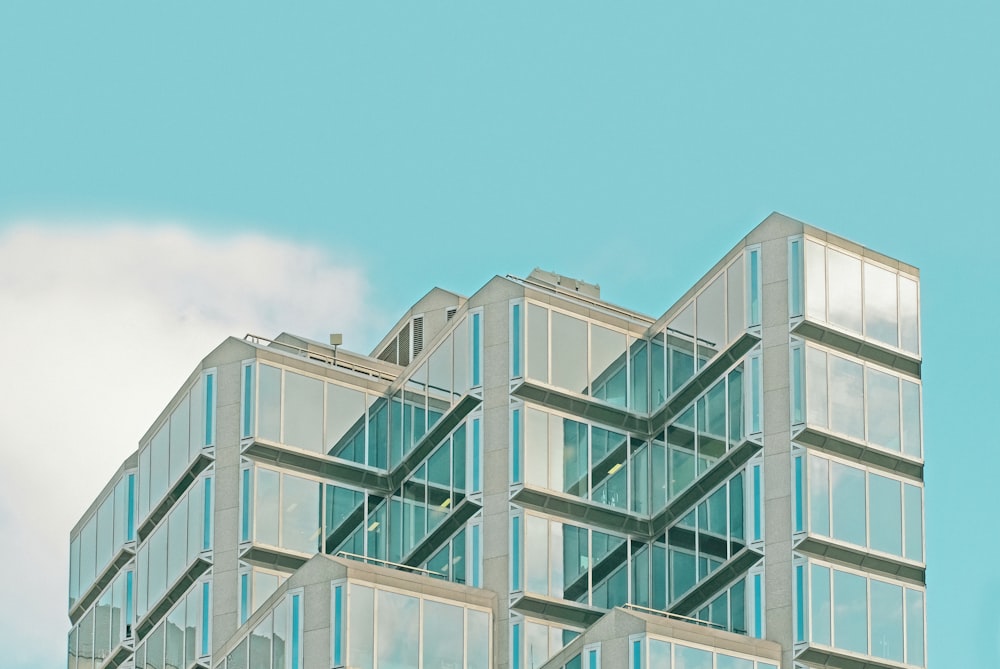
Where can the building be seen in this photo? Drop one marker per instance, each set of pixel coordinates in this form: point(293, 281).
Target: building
point(533, 477)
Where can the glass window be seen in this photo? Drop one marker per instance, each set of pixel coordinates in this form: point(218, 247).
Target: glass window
point(439, 369)
point(850, 622)
point(735, 299)
point(538, 343)
point(269, 403)
point(536, 644)
point(159, 464)
point(795, 279)
point(819, 496)
point(260, 645)
point(692, 658)
point(462, 376)
point(844, 290)
point(639, 361)
point(443, 635)
point(798, 397)
point(883, 409)
point(515, 338)
point(754, 272)
point(880, 305)
point(345, 414)
point(816, 381)
point(569, 358)
point(820, 604)
point(848, 487)
point(536, 559)
point(179, 433)
point(815, 262)
point(303, 417)
point(177, 540)
point(711, 320)
point(607, 365)
point(886, 515)
point(248, 403)
point(105, 532)
point(479, 640)
point(536, 444)
point(847, 398)
point(915, 627)
point(196, 434)
point(908, 326)
point(659, 654)
point(209, 414)
point(887, 620)
point(911, 419)
point(729, 662)
point(266, 509)
point(398, 625)
point(913, 504)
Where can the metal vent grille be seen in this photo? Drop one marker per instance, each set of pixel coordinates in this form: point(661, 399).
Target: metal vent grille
point(404, 345)
point(389, 352)
point(451, 313)
point(418, 335)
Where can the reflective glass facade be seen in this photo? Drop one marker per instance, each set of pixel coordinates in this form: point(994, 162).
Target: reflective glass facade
point(748, 464)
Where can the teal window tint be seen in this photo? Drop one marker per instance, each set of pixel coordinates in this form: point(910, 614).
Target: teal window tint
point(755, 392)
point(248, 400)
point(795, 280)
point(338, 626)
point(515, 646)
point(245, 511)
point(819, 600)
point(636, 654)
point(850, 607)
point(798, 387)
point(476, 550)
point(476, 356)
point(911, 419)
point(206, 539)
point(515, 363)
point(476, 455)
point(915, 627)
point(754, 283)
point(592, 659)
point(129, 588)
point(515, 431)
point(758, 607)
point(886, 515)
point(209, 409)
point(887, 620)
point(799, 495)
point(296, 633)
point(206, 606)
point(913, 518)
point(515, 530)
point(244, 597)
point(130, 512)
point(756, 503)
point(574, 662)
point(800, 603)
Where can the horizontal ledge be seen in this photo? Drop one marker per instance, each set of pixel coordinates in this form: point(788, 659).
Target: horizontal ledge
point(273, 558)
point(861, 452)
point(703, 593)
point(577, 509)
point(862, 348)
point(859, 557)
point(121, 558)
point(173, 595)
point(317, 464)
point(558, 610)
point(581, 405)
point(824, 658)
point(160, 511)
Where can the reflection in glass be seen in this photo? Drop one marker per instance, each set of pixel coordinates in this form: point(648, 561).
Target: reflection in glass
point(913, 505)
point(815, 264)
point(265, 508)
point(886, 514)
point(819, 600)
point(691, 658)
point(819, 496)
point(850, 620)
point(538, 343)
point(361, 629)
point(911, 419)
point(398, 626)
point(269, 403)
point(844, 290)
point(908, 325)
point(734, 300)
point(711, 320)
point(444, 636)
point(847, 398)
point(915, 627)
point(848, 486)
point(887, 620)
point(883, 409)
point(569, 358)
point(880, 305)
point(303, 418)
point(607, 365)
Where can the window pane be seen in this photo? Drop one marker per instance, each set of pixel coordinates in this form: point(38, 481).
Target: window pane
point(908, 327)
point(179, 434)
point(536, 559)
point(680, 345)
point(819, 496)
point(538, 343)
point(735, 299)
point(911, 419)
point(692, 658)
point(915, 627)
point(850, 612)
point(569, 357)
point(361, 626)
point(815, 263)
point(607, 365)
point(880, 305)
point(883, 409)
point(816, 379)
point(345, 414)
point(398, 624)
point(536, 644)
point(711, 320)
point(913, 499)
point(479, 640)
point(536, 447)
point(819, 601)
point(265, 508)
point(303, 412)
point(730, 662)
point(887, 620)
point(847, 398)
point(848, 486)
point(659, 654)
point(844, 290)
point(269, 403)
point(886, 514)
point(444, 635)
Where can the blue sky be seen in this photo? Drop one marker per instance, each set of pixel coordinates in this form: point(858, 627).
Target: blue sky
point(395, 146)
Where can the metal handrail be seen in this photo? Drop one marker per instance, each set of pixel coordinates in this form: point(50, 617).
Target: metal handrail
point(674, 616)
point(387, 563)
point(322, 357)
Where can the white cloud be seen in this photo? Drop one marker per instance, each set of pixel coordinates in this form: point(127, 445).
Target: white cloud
point(99, 326)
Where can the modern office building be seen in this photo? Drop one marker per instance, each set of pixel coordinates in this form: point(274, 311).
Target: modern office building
point(533, 477)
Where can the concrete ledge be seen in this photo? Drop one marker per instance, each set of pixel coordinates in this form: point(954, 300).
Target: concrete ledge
point(578, 509)
point(580, 405)
point(557, 610)
point(858, 557)
point(862, 348)
point(317, 464)
point(838, 659)
point(273, 558)
point(171, 597)
point(840, 445)
point(703, 593)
